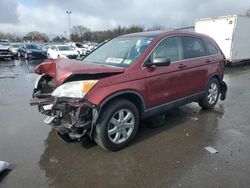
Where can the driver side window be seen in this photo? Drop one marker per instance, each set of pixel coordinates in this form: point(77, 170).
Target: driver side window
point(170, 48)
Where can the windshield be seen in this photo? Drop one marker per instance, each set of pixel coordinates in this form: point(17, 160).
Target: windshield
point(33, 47)
point(122, 51)
point(64, 48)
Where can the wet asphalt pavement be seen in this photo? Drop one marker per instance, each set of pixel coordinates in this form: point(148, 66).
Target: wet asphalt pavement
point(169, 156)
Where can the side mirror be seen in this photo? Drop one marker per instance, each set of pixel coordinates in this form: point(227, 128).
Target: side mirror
point(158, 62)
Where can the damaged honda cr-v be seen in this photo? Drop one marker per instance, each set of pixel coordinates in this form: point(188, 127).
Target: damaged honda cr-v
point(127, 79)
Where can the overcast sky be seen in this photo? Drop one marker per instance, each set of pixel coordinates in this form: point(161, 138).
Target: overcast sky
point(21, 16)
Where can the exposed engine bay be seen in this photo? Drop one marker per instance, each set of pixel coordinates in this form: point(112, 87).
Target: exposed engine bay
point(60, 91)
point(71, 118)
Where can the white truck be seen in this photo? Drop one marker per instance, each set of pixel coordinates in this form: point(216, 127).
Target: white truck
point(232, 34)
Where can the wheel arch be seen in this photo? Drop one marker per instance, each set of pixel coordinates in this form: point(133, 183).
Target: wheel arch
point(130, 95)
point(216, 75)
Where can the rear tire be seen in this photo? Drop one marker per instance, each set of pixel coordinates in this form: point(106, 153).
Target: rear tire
point(117, 125)
point(211, 95)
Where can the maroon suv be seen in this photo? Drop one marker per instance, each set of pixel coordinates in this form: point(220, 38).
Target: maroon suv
point(129, 78)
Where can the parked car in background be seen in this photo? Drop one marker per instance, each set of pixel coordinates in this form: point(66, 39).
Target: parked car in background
point(62, 51)
point(45, 49)
point(129, 78)
point(31, 51)
point(4, 41)
point(82, 50)
point(94, 45)
point(5, 51)
point(88, 48)
point(14, 48)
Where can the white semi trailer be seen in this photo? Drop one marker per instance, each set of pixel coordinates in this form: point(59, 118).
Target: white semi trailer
point(232, 34)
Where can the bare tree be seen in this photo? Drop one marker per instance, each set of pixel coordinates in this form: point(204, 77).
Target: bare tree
point(78, 32)
point(156, 28)
point(38, 36)
point(81, 33)
point(59, 39)
point(100, 36)
point(10, 37)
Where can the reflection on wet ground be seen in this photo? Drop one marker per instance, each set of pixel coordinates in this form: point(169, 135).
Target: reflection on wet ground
point(148, 162)
point(169, 156)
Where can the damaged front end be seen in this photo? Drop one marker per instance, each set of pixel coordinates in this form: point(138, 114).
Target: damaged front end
point(60, 94)
point(70, 115)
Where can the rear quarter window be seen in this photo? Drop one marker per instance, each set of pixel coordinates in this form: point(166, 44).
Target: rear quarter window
point(211, 48)
point(192, 47)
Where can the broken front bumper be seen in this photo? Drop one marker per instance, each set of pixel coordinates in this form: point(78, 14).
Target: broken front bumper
point(70, 118)
point(223, 90)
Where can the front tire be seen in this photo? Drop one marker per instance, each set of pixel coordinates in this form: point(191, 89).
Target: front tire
point(117, 125)
point(211, 95)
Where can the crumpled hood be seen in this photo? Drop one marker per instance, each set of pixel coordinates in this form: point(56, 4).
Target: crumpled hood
point(61, 69)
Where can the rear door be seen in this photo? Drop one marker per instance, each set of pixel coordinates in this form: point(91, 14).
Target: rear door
point(197, 64)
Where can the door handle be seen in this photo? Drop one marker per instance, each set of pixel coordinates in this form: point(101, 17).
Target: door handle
point(182, 66)
point(208, 61)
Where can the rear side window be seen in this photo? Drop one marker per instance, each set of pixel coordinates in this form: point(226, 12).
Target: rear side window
point(170, 48)
point(192, 47)
point(211, 48)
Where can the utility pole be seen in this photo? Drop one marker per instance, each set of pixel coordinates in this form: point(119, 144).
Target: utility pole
point(69, 12)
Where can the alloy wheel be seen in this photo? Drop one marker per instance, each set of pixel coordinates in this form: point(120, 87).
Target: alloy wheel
point(213, 93)
point(121, 126)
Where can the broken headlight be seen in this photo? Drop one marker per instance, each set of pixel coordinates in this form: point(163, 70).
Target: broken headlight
point(75, 89)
